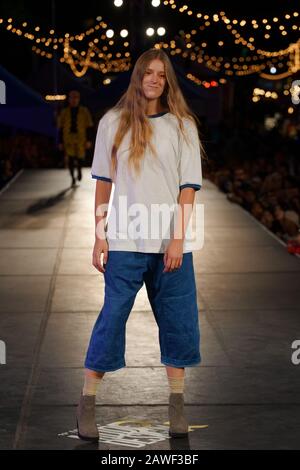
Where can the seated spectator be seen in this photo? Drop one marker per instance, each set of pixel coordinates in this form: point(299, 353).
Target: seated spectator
point(287, 227)
point(267, 219)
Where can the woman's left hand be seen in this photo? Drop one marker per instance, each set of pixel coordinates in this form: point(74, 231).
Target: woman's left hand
point(173, 255)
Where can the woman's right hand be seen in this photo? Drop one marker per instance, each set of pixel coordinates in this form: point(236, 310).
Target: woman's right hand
point(101, 246)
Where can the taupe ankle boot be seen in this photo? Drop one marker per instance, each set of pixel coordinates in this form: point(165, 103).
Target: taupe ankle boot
point(178, 424)
point(85, 414)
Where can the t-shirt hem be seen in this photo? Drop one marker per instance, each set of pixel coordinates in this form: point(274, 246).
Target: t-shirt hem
point(119, 246)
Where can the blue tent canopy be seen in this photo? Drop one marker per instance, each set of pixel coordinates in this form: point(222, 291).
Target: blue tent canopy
point(24, 108)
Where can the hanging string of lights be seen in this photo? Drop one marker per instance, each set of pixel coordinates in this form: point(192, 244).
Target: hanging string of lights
point(216, 63)
point(268, 24)
point(22, 30)
point(292, 50)
point(290, 55)
point(80, 62)
point(251, 41)
point(188, 49)
point(83, 61)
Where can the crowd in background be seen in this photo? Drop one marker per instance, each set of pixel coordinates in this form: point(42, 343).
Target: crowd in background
point(25, 150)
point(259, 169)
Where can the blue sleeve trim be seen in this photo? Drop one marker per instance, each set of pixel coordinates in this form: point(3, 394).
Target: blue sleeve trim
point(102, 178)
point(190, 185)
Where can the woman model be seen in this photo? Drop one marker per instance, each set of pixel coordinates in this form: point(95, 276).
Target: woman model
point(148, 146)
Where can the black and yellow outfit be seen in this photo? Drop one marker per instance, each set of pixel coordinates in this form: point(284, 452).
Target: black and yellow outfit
point(76, 126)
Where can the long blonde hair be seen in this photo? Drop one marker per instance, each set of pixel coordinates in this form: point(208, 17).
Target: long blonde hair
point(133, 105)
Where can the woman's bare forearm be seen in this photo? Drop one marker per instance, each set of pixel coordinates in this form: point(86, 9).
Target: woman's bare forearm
point(102, 196)
point(185, 204)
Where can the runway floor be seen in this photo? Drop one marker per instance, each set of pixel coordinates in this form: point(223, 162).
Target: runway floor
point(245, 394)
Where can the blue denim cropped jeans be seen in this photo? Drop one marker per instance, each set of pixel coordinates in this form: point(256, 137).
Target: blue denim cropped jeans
point(173, 299)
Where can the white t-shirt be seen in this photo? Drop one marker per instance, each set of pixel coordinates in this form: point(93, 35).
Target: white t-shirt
point(134, 220)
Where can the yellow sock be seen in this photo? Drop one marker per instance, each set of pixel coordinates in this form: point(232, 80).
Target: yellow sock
point(91, 384)
point(176, 384)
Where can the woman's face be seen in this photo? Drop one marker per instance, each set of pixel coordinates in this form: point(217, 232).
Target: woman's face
point(154, 79)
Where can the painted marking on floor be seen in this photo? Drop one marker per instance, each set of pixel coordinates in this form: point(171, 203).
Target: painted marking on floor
point(140, 433)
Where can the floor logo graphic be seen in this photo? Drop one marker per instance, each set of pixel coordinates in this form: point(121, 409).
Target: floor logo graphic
point(129, 432)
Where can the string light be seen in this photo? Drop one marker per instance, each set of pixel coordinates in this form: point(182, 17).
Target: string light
point(204, 83)
point(31, 35)
point(259, 93)
point(216, 16)
point(55, 97)
point(81, 60)
point(232, 68)
point(80, 64)
point(254, 23)
point(74, 58)
point(244, 70)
